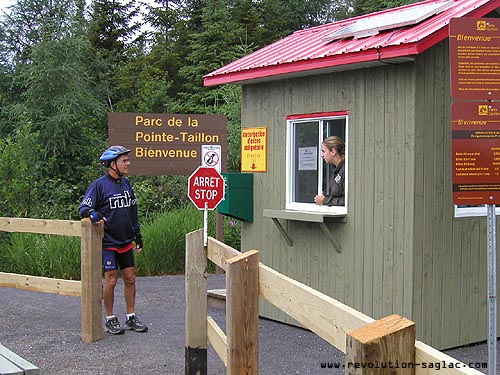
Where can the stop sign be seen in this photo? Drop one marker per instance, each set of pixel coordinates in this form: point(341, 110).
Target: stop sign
point(206, 186)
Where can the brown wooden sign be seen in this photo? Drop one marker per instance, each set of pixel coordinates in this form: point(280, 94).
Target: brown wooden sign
point(166, 144)
point(476, 152)
point(475, 58)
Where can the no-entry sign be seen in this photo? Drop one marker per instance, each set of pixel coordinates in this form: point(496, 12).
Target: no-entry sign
point(206, 188)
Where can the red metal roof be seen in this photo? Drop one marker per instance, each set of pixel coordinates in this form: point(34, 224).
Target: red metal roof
point(306, 52)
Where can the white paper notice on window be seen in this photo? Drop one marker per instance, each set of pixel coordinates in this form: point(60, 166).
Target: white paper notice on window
point(308, 158)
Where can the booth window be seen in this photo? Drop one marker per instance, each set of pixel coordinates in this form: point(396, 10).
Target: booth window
point(469, 211)
point(306, 172)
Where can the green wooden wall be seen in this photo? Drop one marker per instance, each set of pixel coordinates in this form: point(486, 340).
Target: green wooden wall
point(450, 254)
point(402, 250)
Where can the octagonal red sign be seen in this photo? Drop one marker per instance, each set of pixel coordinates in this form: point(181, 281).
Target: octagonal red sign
point(206, 187)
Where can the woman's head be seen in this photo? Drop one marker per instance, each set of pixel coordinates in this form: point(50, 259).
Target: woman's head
point(331, 146)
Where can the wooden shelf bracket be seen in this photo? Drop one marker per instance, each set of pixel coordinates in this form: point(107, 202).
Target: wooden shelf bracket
point(312, 217)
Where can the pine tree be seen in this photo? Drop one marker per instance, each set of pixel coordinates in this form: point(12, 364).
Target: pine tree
point(111, 32)
point(212, 45)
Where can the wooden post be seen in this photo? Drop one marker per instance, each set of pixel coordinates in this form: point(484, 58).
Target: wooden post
point(242, 314)
point(219, 234)
point(91, 297)
point(386, 346)
point(196, 305)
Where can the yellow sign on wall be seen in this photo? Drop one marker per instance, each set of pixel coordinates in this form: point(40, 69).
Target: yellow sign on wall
point(254, 149)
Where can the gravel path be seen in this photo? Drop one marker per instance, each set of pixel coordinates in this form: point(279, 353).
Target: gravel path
point(45, 329)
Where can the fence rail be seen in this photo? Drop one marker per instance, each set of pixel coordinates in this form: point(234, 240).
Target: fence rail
point(89, 289)
point(41, 284)
point(330, 319)
point(41, 226)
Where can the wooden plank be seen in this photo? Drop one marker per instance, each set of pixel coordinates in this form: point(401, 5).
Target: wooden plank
point(8, 368)
point(331, 320)
point(463, 299)
point(242, 311)
point(196, 305)
point(41, 284)
point(450, 251)
point(217, 298)
point(26, 367)
point(391, 173)
point(315, 217)
point(441, 207)
point(357, 208)
point(91, 298)
point(328, 318)
point(314, 265)
point(428, 197)
point(438, 363)
point(217, 339)
point(217, 293)
point(218, 252)
point(374, 83)
point(42, 226)
point(459, 229)
point(448, 274)
point(366, 177)
point(408, 209)
point(399, 99)
point(385, 341)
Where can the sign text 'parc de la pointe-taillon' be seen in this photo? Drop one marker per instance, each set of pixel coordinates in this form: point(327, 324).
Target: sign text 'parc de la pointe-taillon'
point(166, 144)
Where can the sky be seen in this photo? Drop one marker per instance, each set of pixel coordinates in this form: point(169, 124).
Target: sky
point(5, 3)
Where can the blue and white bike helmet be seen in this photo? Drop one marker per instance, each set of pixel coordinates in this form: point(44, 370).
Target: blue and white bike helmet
point(112, 153)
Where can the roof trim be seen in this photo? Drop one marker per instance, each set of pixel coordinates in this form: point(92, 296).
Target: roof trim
point(348, 61)
point(313, 115)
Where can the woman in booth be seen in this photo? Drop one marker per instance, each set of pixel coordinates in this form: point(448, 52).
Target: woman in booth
point(332, 152)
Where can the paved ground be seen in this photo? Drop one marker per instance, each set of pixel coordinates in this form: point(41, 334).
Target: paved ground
point(45, 329)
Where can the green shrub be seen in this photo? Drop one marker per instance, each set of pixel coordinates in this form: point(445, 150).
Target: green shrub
point(164, 240)
point(156, 194)
point(41, 255)
point(164, 246)
point(232, 233)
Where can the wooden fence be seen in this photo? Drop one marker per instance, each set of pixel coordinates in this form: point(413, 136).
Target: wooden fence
point(89, 289)
point(364, 340)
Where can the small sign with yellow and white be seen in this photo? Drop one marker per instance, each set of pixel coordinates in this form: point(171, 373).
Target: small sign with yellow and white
point(254, 149)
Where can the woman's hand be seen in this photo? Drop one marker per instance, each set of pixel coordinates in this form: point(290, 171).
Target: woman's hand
point(318, 199)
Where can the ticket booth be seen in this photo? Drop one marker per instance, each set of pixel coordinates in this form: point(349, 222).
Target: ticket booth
point(399, 244)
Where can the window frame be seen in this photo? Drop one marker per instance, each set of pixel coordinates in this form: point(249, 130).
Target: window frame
point(291, 122)
point(461, 212)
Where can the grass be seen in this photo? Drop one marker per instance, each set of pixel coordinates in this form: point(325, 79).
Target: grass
point(41, 255)
point(164, 247)
point(164, 241)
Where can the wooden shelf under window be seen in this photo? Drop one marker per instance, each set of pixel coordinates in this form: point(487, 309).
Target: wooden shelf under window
point(312, 217)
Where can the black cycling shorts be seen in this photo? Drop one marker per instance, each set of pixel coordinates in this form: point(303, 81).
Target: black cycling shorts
point(112, 259)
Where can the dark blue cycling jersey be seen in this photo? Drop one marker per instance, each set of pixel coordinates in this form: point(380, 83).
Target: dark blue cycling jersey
point(115, 200)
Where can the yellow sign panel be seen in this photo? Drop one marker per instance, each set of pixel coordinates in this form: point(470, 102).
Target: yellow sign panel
point(254, 149)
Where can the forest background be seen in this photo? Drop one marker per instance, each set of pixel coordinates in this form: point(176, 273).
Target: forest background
point(64, 64)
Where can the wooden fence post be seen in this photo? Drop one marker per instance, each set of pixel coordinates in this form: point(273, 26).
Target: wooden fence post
point(196, 305)
point(242, 314)
point(91, 294)
point(386, 346)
